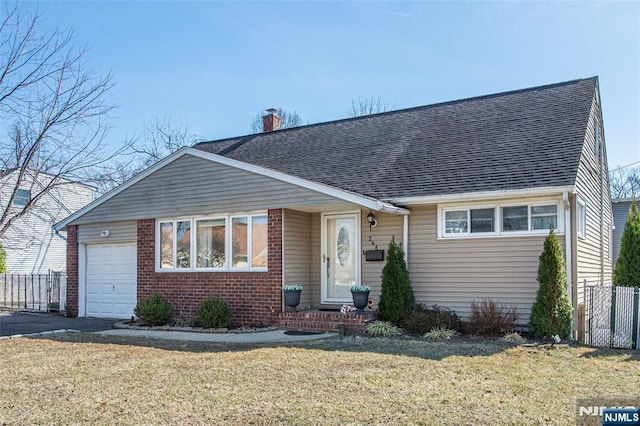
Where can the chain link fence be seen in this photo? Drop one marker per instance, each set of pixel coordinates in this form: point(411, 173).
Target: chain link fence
point(611, 316)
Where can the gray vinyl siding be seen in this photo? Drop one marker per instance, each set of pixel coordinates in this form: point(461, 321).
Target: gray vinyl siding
point(454, 273)
point(194, 186)
point(297, 253)
point(620, 213)
point(593, 259)
point(118, 232)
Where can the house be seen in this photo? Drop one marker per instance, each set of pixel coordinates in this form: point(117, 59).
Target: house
point(620, 208)
point(470, 188)
point(31, 244)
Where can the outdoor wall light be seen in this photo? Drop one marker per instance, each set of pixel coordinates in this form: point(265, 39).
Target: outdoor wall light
point(372, 220)
point(105, 233)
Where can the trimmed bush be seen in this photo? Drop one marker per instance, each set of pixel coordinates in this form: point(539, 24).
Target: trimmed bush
point(214, 313)
point(422, 320)
point(154, 310)
point(3, 260)
point(489, 318)
point(627, 270)
point(396, 298)
point(551, 312)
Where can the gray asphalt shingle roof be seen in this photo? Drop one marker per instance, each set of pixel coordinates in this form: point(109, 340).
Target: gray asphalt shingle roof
point(515, 140)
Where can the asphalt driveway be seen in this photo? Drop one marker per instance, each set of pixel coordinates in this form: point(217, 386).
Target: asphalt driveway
point(12, 323)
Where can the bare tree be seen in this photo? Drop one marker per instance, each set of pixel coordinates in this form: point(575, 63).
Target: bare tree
point(289, 119)
point(625, 182)
point(367, 106)
point(160, 137)
point(53, 116)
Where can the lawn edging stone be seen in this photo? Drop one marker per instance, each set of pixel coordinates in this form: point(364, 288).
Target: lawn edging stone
point(128, 325)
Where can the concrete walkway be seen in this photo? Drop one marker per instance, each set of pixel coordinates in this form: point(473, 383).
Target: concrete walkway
point(276, 336)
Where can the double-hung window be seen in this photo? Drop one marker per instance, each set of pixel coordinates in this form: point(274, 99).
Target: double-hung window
point(249, 242)
point(175, 244)
point(218, 243)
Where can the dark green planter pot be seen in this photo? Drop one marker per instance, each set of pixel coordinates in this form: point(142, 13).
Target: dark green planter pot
point(360, 301)
point(292, 299)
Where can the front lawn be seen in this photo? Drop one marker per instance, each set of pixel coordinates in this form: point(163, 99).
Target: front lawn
point(92, 379)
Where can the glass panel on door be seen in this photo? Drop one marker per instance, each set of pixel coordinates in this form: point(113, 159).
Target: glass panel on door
point(340, 260)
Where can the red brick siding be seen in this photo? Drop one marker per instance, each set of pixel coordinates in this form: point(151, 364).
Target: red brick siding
point(254, 297)
point(72, 271)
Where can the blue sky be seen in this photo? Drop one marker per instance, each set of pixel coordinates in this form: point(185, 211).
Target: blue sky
point(216, 65)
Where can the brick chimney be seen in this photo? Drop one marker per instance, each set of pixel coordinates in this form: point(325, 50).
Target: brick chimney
point(271, 121)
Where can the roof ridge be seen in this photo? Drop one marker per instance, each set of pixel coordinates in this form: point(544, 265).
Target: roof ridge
point(403, 110)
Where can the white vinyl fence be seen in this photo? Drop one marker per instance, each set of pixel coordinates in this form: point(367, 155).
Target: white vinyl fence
point(35, 292)
point(611, 316)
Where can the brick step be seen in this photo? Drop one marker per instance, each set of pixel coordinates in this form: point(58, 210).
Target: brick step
point(335, 322)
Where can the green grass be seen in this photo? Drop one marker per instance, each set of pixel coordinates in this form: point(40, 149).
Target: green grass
point(93, 379)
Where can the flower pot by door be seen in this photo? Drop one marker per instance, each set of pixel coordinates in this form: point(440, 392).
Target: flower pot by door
point(292, 299)
point(360, 301)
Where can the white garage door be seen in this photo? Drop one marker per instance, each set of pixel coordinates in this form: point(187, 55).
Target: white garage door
point(111, 280)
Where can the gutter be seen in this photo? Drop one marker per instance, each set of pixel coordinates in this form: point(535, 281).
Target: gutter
point(508, 193)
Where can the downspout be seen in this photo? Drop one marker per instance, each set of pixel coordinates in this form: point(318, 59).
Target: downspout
point(601, 166)
point(568, 255)
point(405, 238)
point(57, 234)
point(282, 259)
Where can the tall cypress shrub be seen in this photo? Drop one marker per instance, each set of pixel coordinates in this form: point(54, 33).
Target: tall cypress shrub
point(627, 270)
point(3, 260)
point(551, 312)
point(396, 298)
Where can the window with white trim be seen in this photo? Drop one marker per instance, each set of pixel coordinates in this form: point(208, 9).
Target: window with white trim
point(500, 219)
point(544, 217)
point(466, 221)
point(581, 218)
point(217, 243)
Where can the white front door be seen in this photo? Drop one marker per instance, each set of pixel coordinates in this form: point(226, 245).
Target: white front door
point(340, 256)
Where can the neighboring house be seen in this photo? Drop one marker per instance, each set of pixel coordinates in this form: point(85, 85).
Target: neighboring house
point(31, 244)
point(621, 208)
point(470, 188)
